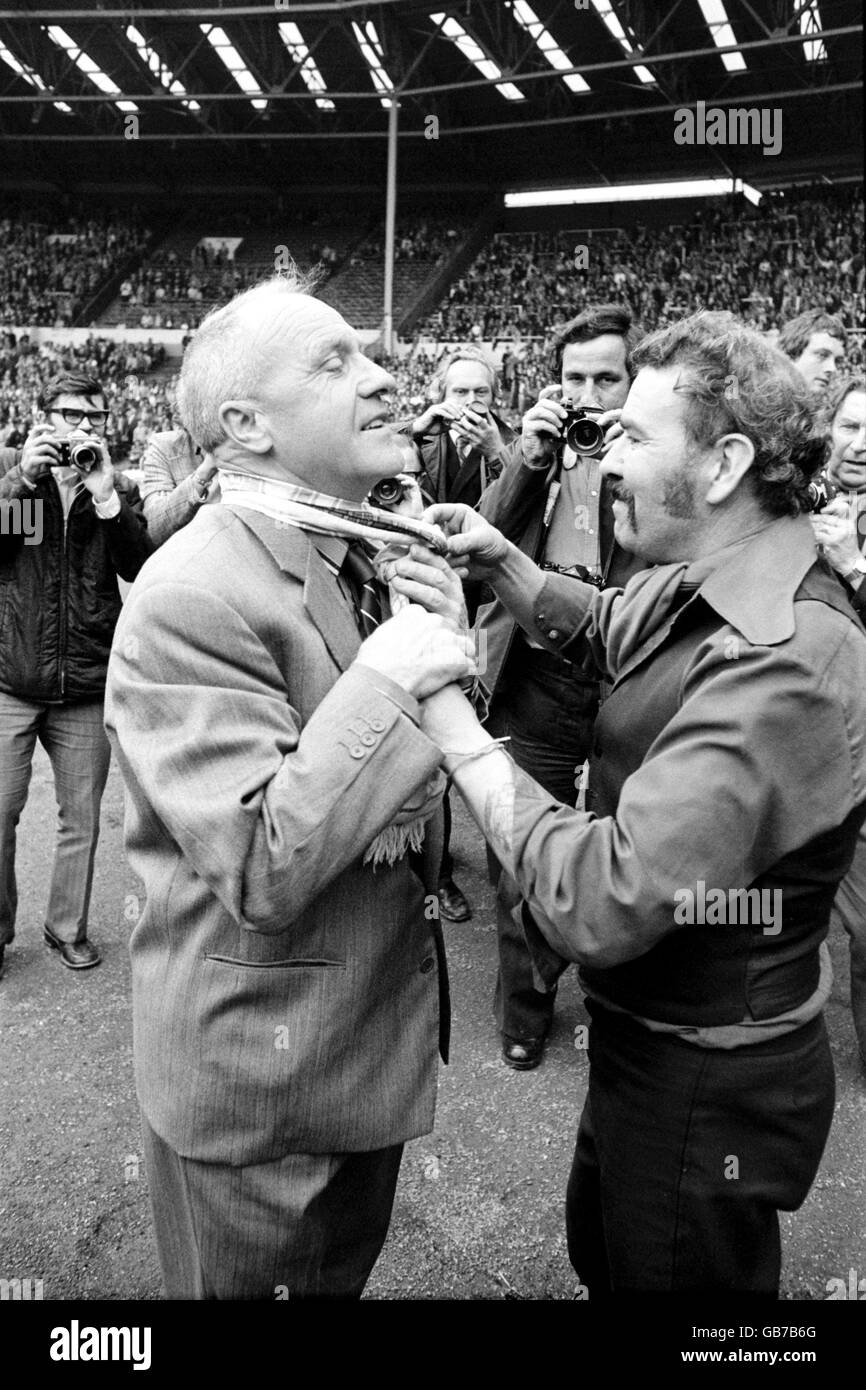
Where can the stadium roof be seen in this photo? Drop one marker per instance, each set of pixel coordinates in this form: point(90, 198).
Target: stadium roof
point(490, 93)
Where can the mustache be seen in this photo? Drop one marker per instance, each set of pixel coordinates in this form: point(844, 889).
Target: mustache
point(620, 493)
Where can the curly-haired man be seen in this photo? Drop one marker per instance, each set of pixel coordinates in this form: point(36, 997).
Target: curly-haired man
point(726, 790)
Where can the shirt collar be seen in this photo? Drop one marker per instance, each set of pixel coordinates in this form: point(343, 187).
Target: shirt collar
point(753, 585)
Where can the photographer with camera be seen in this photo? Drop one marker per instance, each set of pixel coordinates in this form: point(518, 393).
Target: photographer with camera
point(462, 444)
point(553, 503)
point(59, 603)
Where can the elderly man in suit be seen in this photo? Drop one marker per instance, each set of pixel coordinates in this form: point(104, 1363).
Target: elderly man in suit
point(289, 986)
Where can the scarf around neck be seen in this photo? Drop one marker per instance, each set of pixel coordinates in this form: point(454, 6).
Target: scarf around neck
point(292, 505)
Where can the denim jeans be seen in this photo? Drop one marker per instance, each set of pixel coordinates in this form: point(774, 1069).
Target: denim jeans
point(548, 715)
point(74, 739)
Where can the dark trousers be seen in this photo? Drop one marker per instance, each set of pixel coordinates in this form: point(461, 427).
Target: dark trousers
point(302, 1226)
point(685, 1156)
point(549, 716)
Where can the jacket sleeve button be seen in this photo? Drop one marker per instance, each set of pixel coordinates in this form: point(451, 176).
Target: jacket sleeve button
point(427, 965)
point(368, 740)
point(357, 750)
point(378, 726)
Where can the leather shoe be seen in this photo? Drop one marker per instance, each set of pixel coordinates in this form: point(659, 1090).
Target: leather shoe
point(452, 903)
point(77, 955)
point(522, 1053)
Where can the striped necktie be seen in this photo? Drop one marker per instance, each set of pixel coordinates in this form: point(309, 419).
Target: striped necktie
point(365, 587)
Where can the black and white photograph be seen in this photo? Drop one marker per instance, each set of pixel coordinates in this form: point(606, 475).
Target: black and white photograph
point(432, 676)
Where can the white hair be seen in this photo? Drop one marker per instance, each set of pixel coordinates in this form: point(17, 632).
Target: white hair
point(225, 359)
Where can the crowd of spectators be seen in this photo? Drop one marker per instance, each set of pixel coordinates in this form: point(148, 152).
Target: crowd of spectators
point(427, 238)
point(767, 264)
point(161, 292)
point(51, 265)
point(137, 406)
point(175, 291)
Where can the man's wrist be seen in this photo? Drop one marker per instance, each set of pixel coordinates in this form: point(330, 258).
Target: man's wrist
point(534, 465)
point(107, 507)
point(854, 574)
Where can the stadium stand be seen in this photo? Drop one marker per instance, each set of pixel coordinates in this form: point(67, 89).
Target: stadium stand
point(769, 263)
point(804, 251)
point(51, 266)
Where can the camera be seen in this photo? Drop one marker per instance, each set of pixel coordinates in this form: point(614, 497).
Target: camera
point(582, 432)
point(388, 493)
point(819, 494)
point(81, 455)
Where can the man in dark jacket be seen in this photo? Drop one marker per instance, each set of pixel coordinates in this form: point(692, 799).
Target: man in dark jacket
point(554, 505)
point(462, 442)
point(462, 445)
point(69, 525)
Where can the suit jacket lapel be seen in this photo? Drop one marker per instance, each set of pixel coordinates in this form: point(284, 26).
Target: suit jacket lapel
point(329, 611)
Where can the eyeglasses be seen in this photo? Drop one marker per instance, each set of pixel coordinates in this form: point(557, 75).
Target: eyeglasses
point(75, 417)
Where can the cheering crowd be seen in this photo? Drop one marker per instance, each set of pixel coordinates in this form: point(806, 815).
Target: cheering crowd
point(626, 632)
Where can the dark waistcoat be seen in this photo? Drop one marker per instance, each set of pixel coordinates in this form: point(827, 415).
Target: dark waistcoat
point(715, 974)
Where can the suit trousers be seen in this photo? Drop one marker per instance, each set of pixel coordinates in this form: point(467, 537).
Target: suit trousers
point(549, 717)
point(74, 739)
point(685, 1155)
point(301, 1226)
point(849, 910)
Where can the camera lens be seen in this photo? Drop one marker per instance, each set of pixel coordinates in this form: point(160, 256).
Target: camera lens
point(585, 436)
point(387, 493)
point(85, 456)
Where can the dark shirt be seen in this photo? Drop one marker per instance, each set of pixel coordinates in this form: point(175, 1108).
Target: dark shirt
point(763, 753)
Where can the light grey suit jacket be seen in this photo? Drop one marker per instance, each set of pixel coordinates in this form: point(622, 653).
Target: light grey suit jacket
point(286, 996)
point(167, 489)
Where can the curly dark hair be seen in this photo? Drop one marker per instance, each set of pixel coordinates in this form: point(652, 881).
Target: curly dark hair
point(738, 383)
point(592, 323)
